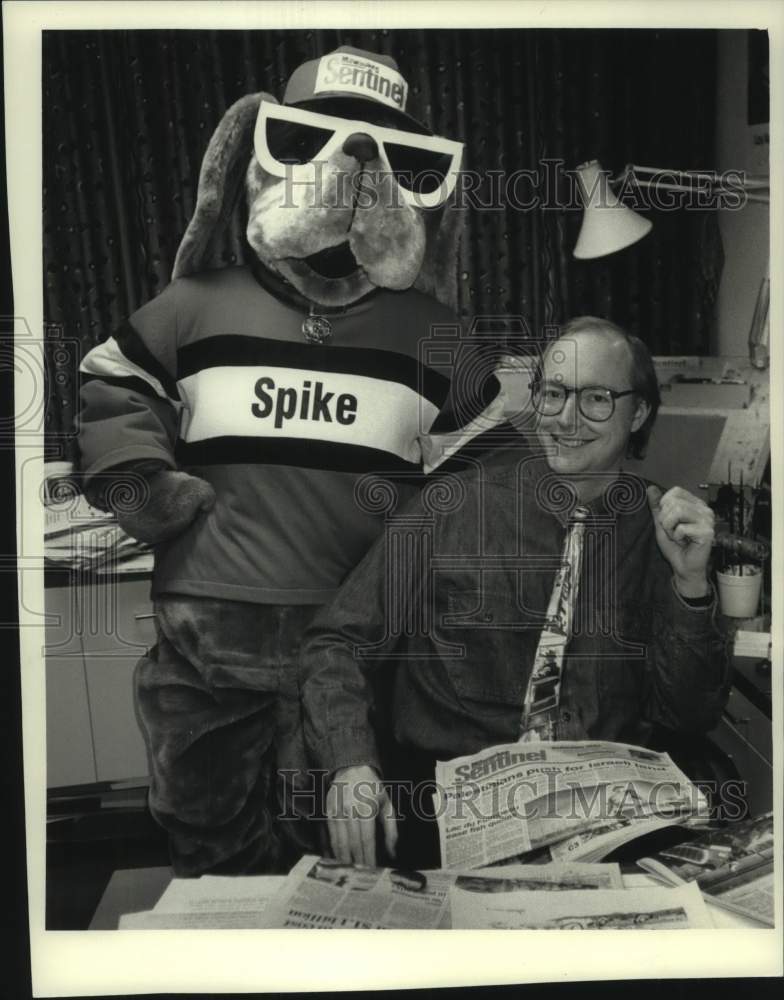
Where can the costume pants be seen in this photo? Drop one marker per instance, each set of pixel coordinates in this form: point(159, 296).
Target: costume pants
point(218, 703)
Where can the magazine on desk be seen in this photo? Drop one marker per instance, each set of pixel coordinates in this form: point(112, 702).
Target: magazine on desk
point(732, 866)
point(561, 801)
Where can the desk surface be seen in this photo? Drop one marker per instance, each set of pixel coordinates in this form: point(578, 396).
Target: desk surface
point(129, 891)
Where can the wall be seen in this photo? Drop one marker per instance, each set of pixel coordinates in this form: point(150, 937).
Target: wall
point(744, 233)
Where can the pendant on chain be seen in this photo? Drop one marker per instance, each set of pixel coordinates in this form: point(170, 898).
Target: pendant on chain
point(317, 329)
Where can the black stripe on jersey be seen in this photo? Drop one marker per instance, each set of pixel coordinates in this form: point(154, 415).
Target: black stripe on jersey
point(221, 351)
point(135, 350)
point(128, 383)
point(300, 452)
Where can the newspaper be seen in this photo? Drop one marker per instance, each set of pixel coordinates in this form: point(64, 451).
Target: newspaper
point(324, 893)
point(541, 878)
point(79, 536)
point(732, 865)
point(195, 920)
point(209, 903)
point(513, 799)
point(321, 892)
point(596, 843)
point(617, 909)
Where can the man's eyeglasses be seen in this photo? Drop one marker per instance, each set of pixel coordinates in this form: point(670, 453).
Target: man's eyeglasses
point(595, 402)
point(288, 140)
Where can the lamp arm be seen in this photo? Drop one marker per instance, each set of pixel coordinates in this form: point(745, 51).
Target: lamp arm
point(718, 189)
point(755, 187)
point(709, 175)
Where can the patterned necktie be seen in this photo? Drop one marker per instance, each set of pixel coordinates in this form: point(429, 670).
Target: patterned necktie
point(539, 718)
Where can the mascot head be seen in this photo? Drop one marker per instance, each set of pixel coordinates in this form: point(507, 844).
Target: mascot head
point(345, 192)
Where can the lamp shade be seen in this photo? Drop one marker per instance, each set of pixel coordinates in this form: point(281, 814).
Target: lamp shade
point(608, 225)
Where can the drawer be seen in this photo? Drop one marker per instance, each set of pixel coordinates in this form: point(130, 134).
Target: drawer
point(751, 723)
point(69, 744)
point(116, 617)
point(119, 747)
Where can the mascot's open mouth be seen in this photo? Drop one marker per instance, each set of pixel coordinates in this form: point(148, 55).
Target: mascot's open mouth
point(334, 262)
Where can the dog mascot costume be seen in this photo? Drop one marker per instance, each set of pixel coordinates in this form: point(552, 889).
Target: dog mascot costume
point(245, 402)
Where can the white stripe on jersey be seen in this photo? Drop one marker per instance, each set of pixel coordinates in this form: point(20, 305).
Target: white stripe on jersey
point(232, 401)
point(108, 360)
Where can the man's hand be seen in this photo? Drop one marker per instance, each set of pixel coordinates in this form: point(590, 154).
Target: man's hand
point(355, 801)
point(684, 533)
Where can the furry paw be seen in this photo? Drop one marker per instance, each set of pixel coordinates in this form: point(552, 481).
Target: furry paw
point(174, 501)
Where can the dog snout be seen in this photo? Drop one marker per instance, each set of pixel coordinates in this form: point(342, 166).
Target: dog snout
point(361, 146)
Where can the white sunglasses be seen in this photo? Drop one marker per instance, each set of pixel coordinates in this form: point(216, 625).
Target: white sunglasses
point(288, 141)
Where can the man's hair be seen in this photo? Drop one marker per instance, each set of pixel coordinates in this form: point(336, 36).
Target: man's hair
point(642, 374)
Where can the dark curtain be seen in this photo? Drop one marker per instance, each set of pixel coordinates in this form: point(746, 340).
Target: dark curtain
point(127, 116)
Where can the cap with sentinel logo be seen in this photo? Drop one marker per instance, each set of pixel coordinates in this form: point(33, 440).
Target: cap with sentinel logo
point(350, 72)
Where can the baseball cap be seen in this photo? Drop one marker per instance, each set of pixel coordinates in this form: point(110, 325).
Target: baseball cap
point(353, 73)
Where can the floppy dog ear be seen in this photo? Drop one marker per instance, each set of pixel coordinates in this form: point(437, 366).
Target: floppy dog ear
point(221, 179)
point(438, 275)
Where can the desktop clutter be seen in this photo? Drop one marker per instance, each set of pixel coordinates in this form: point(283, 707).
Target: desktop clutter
point(80, 538)
point(733, 396)
point(716, 877)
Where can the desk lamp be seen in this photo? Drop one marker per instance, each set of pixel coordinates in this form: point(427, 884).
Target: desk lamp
point(608, 225)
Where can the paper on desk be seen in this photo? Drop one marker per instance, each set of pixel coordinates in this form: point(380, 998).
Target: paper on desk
point(79, 536)
point(210, 902)
point(73, 515)
point(560, 876)
point(218, 893)
point(752, 644)
point(610, 909)
point(719, 916)
point(149, 920)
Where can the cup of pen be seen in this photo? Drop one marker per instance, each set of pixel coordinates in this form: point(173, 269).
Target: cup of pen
point(740, 585)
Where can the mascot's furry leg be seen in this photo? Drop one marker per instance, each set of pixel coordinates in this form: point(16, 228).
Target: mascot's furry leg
point(218, 703)
point(219, 706)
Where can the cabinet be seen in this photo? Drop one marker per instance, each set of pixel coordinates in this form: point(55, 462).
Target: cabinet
point(97, 628)
point(745, 732)
point(70, 757)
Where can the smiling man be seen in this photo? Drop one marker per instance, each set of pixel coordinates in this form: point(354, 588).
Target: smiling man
point(561, 598)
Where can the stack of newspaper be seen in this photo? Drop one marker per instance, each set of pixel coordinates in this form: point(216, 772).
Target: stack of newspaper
point(574, 801)
point(79, 536)
point(322, 893)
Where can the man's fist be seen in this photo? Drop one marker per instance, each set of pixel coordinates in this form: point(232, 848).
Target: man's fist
point(173, 502)
point(684, 533)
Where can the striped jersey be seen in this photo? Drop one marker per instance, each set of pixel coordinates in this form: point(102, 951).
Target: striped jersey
point(215, 377)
